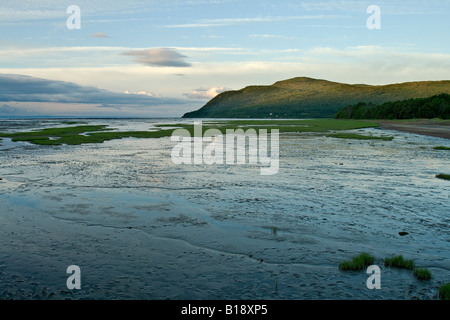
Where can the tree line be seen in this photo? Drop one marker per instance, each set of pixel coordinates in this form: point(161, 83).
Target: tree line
point(437, 106)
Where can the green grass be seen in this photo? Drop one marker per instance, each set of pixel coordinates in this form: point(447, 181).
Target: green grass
point(82, 134)
point(358, 262)
point(77, 135)
point(444, 291)
point(422, 274)
point(56, 132)
point(100, 137)
point(72, 122)
point(357, 136)
point(284, 126)
point(37, 140)
point(443, 176)
point(399, 262)
point(441, 148)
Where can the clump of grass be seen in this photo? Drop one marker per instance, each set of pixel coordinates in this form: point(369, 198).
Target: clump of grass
point(422, 274)
point(72, 122)
point(284, 126)
point(444, 292)
point(357, 136)
point(80, 135)
point(399, 262)
point(443, 176)
point(441, 148)
point(358, 262)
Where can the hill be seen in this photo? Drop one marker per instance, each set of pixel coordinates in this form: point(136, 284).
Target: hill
point(309, 98)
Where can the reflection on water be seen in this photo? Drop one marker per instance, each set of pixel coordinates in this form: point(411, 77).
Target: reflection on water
point(141, 227)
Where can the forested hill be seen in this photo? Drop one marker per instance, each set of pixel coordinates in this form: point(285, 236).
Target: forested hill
point(309, 98)
point(437, 106)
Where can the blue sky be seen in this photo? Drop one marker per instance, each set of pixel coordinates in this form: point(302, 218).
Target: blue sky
point(164, 58)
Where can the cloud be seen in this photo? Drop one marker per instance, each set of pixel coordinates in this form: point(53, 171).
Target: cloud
point(145, 93)
point(205, 93)
point(206, 23)
point(6, 109)
point(162, 57)
point(270, 36)
point(99, 35)
point(20, 88)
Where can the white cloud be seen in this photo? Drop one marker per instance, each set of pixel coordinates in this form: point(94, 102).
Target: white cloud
point(144, 93)
point(235, 21)
point(270, 36)
point(205, 94)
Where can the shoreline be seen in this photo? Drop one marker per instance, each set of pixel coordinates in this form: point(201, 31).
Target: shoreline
point(440, 129)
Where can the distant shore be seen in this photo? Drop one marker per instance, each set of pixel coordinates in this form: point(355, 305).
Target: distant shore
point(434, 128)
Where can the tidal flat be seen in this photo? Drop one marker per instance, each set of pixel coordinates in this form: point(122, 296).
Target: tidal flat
point(141, 227)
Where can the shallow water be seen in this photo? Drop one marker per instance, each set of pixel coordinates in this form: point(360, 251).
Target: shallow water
point(141, 227)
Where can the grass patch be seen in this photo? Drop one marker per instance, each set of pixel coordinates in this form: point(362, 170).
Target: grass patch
point(444, 292)
point(100, 137)
point(399, 262)
point(422, 274)
point(55, 132)
point(358, 262)
point(441, 148)
point(357, 136)
point(37, 140)
point(72, 122)
point(284, 126)
point(80, 135)
point(443, 176)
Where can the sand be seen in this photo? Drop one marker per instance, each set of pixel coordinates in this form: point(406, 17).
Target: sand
point(432, 128)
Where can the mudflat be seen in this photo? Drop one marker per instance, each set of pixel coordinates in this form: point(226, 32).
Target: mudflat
point(435, 128)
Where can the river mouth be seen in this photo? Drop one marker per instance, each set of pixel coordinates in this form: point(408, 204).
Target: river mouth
point(141, 227)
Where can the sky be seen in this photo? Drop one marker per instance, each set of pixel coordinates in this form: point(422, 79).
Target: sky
point(163, 58)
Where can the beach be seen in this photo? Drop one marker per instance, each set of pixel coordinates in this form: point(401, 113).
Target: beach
point(426, 127)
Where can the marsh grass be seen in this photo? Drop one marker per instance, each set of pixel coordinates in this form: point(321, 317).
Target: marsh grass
point(422, 274)
point(441, 148)
point(77, 135)
point(72, 122)
point(283, 126)
point(399, 262)
point(100, 137)
point(357, 136)
point(358, 262)
point(443, 176)
point(81, 134)
point(444, 292)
